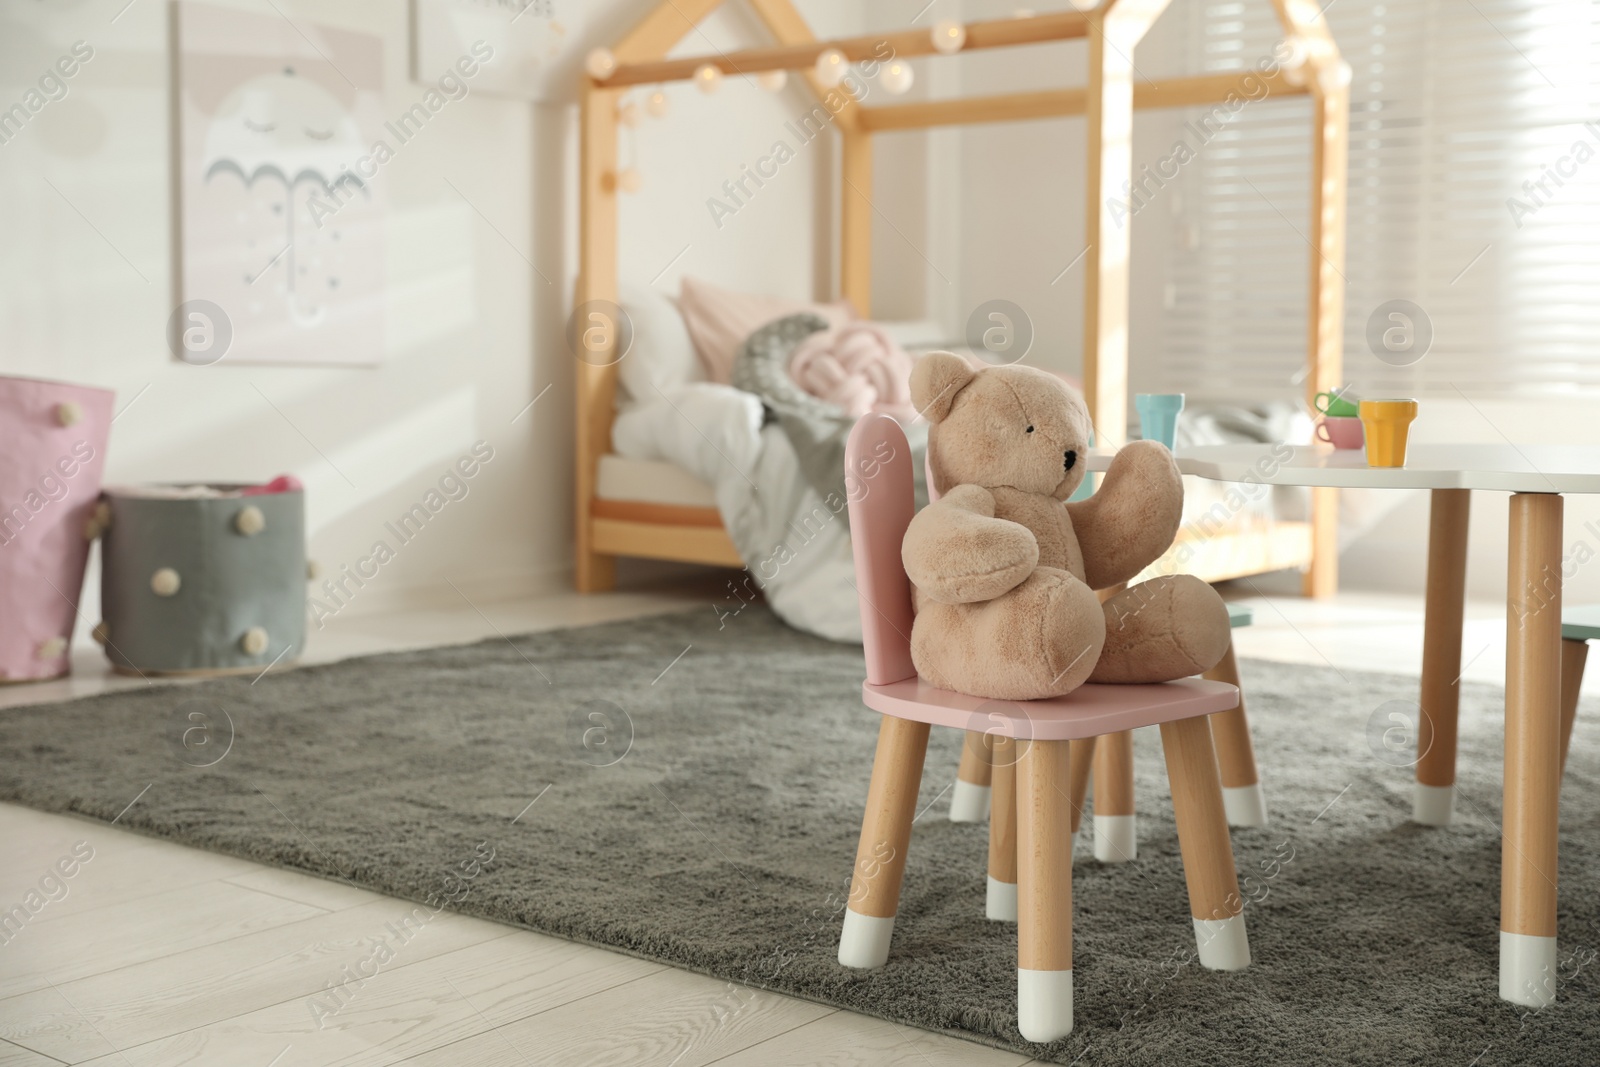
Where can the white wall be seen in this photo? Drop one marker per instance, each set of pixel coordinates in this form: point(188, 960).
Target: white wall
point(1022, 198)
point(478, 288)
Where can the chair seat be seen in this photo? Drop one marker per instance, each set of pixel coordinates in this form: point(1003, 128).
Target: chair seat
point(1088, 711)
point(1581, 622)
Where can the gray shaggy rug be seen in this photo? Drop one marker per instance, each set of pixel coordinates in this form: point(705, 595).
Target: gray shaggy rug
point(696, 788)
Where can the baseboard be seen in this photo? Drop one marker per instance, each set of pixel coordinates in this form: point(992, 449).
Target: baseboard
point(378, 599)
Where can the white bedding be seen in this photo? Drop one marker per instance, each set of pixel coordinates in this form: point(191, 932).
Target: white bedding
point(651, 481)
point(794, 543)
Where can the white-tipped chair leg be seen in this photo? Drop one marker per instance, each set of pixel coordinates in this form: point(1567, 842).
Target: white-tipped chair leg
point(1207, 853)
point(969, 802)
point(1433, 805)
point(1000, 904)
point(1222, 943)
point(864, 942)
point(1246, 805)
point(1527, 969)
point(1044, 1004)
point(969, 799)
point(1044, 891)
point(1116, 838)
point(885, 837)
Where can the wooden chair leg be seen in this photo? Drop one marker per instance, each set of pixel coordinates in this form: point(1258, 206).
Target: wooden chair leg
point(1433, 803)
point(969, 798)
point(1528, 853)
point(1116, 838)
point(1574, 654)
point(1214, 900)
point(1236, 755)
point(1082, 763)
point(885, 836)
point(1001, 901)
point(1044, 890)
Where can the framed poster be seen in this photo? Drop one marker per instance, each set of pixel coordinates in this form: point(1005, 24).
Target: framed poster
point(281, 210)
point(536, 52)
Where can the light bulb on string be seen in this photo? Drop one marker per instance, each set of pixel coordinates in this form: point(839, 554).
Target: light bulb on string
point(948, 36)
point(600, 64)
point(896, 77)
point(708, 78)
point(831, 68)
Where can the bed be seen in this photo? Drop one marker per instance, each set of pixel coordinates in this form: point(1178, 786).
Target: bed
point(628, 510)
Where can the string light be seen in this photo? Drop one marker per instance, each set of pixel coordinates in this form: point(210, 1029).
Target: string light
point(1334, 76)
point(773, 81)
point(708, 78)
point(948, 36)
point(896, 77)
point(657, 105)
point(831, 68)
point(600, 64)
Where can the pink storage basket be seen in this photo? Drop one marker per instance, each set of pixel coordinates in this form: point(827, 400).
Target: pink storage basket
point(52, 453)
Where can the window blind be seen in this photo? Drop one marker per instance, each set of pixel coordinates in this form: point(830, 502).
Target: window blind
point(1474, 194)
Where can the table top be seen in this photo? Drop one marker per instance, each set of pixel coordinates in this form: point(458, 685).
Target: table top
point(1508, 468)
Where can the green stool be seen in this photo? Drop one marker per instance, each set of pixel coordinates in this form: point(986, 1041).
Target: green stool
point(1579, 626)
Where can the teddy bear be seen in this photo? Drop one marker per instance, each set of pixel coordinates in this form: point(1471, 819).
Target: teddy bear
point(1004, 570)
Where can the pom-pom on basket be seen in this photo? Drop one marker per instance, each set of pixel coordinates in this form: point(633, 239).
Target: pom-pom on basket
point(52, 451)
point(203, 584)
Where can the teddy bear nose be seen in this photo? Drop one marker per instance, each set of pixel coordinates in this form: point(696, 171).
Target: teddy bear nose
point(1071, 458)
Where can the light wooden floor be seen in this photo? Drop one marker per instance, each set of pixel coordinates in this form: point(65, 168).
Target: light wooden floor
point(160, 954)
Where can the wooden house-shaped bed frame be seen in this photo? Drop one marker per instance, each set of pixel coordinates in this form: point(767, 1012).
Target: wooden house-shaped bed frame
point(607, 529)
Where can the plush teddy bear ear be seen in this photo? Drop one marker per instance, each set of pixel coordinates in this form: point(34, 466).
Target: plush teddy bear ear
point(935, 381)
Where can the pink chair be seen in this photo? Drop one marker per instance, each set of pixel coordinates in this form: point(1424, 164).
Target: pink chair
point(1030, 841)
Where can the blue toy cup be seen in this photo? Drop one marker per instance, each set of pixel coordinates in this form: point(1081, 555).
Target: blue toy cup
point(1158, 416)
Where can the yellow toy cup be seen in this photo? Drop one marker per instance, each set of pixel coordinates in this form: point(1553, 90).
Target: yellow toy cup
point(1386, 423)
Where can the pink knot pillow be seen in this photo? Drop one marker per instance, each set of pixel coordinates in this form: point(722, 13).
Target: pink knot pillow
point(859, 367)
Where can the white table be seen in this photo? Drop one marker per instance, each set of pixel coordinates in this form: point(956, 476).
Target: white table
point(1536, 476)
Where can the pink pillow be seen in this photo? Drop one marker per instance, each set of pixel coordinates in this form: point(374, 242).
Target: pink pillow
point(720, 320)
point(858, 367)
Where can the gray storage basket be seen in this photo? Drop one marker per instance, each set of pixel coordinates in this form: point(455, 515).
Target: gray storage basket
point(238, 601)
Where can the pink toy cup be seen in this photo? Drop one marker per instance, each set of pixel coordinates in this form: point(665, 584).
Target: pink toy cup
point(52, 452)
point(1341, 432)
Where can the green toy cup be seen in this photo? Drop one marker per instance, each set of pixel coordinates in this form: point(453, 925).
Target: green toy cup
point(1341, 403)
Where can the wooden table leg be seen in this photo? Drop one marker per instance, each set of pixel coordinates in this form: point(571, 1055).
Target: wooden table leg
point(1116, 837)
point(969, 798)
point(885, 836)
point(1533, 752)
point(1242, 797)
point(1214, 901)
point(1000, 901)
point(1433, 803)
point(1044, 890)
point(1574, 654)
